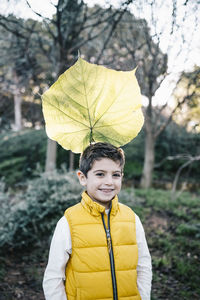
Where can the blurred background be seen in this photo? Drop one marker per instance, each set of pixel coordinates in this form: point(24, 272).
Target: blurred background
point(39, 40)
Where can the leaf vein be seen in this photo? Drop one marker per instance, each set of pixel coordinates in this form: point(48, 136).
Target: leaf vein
point(112, 102)
point(70, 117)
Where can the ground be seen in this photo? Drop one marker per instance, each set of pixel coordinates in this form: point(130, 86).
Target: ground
point(172, 230)
point(22, 278)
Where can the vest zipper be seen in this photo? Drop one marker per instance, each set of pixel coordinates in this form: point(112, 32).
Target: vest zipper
point(110, 250)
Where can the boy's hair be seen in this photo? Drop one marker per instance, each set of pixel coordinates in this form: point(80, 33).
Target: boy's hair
point(98, 151)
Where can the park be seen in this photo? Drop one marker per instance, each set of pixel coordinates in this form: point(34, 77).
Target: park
point(158, 41)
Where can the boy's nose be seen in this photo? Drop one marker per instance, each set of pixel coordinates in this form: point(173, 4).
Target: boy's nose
point(109, 180)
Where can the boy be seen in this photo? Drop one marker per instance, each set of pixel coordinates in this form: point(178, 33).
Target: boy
point(99, 247)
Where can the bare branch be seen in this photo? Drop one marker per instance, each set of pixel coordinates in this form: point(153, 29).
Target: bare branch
point(190, 161)
point(109, 36)
point(38, 14)
point(170, 158)
point(12, 30)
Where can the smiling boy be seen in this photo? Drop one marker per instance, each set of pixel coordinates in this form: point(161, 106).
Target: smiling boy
point(103, 181)
point(99, 250)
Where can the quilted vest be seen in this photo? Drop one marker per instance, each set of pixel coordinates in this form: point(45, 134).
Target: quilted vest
point(103, 262)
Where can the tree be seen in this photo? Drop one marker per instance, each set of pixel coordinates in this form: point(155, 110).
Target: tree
point(18, 62)
point(140, 44)
point(188, 88)
point(72, 26)
point(132, 45)
point(176, 32)
point(154, 67)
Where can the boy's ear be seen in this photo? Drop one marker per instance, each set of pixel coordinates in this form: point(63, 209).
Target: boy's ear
point(82, 178)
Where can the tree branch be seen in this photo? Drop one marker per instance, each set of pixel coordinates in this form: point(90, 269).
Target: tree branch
point(190, 161)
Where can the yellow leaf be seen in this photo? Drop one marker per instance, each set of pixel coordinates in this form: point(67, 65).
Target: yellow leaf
point(90, 103)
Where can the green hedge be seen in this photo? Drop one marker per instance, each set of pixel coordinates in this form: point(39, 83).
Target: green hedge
point(22, 152)
point(35, 212)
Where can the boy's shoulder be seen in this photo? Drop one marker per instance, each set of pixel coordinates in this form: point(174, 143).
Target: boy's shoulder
point(125, 207)
point(73, 208)
point(126, 213)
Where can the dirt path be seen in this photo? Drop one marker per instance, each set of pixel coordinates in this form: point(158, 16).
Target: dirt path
point(22, 279)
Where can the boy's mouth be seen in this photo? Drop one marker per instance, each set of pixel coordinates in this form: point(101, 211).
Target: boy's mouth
point(106, 190)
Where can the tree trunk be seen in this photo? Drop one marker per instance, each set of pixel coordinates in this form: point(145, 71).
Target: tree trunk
point(146, 180)
point(18, 113)
point(17, 104)
point(50, 156)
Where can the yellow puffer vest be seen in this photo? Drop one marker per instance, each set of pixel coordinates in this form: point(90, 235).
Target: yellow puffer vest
point(91, 271)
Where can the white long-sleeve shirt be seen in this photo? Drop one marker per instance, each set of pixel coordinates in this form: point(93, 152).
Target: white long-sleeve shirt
point(61, 248)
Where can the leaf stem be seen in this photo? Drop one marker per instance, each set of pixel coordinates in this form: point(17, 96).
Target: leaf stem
point(91, 136)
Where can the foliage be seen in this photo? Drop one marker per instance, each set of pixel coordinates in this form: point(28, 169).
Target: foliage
point(176, 140)
point(6, 112)
point(35, 212)
point(20, 61)
point(132, 45)
point(188, 90)
point(189, 229)
point(172, 229)
point(21, 153)
point(92, 103)
point(4, 202)
point(134, 153)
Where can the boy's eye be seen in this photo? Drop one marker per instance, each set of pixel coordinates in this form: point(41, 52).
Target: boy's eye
point(117, 175)
point(99, 174)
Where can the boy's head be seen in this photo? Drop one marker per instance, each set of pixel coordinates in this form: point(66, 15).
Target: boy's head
point(97, 151)
point(101, 171)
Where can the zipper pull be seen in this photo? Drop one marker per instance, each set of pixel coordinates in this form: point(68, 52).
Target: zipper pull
point(108, 233)
point(108, 239)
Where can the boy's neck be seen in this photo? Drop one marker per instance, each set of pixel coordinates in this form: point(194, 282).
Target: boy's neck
point(107, 205)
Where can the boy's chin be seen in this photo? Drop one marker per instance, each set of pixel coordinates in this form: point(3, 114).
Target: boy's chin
point(103, 198)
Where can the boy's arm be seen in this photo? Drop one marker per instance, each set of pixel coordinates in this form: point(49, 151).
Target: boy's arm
point(144, 269)
point(54, 276)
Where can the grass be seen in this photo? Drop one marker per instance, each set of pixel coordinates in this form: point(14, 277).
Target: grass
point(172, 229)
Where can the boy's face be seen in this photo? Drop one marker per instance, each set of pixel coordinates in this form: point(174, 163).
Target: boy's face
point(103, 181)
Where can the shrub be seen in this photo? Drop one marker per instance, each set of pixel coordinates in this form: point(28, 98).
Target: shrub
point(191, 230)
point(4, 202)
point(37, 210)
point(22, 152)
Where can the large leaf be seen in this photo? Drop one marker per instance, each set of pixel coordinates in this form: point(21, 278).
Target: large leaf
point(92, 103)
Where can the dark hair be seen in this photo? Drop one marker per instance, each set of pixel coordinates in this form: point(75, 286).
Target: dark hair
point(97, 151)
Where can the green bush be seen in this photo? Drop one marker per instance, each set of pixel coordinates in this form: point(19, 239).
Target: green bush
point(134, 152)
point(36, 211)
point(22, 152)
point(192, 230)
point(172, 141)
point(4, 203)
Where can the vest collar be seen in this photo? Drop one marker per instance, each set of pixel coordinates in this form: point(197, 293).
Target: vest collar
point(95, 208)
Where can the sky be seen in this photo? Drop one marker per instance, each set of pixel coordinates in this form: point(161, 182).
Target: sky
point(177, 63)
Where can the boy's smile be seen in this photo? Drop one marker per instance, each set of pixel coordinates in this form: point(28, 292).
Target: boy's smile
point(103, 181)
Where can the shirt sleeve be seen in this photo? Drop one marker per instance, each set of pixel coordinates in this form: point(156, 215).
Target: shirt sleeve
point(60, 249)
point(144, 268)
